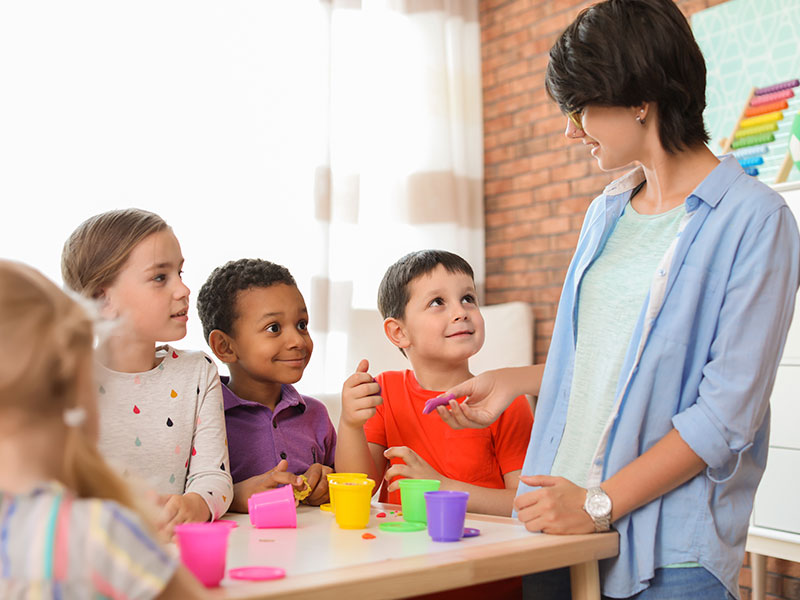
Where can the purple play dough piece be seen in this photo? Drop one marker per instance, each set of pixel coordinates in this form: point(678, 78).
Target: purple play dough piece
point(471, 532)
point(431, 404)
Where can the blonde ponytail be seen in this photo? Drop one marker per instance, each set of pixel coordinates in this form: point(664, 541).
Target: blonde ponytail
point(45, 347)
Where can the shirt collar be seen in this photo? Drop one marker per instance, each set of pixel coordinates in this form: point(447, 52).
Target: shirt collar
point(711, 190)
point(714, 187)
point(289, 397)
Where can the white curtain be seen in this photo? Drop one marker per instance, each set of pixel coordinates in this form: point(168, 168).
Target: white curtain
point(329, 136)
point(405, 163)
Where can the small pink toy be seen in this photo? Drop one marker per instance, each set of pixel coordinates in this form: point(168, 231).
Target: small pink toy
point(257, 573)
point(431, 404)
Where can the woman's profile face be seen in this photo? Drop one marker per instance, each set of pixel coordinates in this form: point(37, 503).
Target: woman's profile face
point(611, 134)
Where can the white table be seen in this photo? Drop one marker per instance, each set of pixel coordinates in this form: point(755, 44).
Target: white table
point(323, 561)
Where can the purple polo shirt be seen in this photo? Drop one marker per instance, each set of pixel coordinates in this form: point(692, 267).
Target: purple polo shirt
point(299, 430)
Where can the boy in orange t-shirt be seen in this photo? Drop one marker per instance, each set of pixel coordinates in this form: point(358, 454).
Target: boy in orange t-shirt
point(429, 304)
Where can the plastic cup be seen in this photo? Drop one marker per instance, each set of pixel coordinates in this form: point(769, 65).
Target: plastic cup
point(352, 502)
point(340, 477)
point(446, 514)
point(412, 499)
point(273, 508)
point(203, 548)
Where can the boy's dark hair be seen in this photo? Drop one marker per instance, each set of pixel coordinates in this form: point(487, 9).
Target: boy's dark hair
point(626, 52)
point(216, 301)
point(393, 294)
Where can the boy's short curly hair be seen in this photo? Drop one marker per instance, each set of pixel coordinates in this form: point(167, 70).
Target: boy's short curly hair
point(216, 301)
point(393, 292)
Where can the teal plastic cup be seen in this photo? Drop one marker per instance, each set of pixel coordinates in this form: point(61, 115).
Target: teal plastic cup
point(413, 500)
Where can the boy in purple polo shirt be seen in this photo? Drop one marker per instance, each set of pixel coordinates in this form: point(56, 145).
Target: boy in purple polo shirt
point(255, 320)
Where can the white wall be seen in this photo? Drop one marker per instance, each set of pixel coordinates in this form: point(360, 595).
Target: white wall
point(207, 113)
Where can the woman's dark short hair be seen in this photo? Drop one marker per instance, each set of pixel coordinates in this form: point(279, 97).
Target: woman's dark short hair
point(393, 292)
point(216, 301)
point(626, 52)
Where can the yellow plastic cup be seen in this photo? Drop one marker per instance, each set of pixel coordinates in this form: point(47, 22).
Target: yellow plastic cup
point(352, 502)
point(340, 477)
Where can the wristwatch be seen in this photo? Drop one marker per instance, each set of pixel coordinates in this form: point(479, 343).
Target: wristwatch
point(598, 506)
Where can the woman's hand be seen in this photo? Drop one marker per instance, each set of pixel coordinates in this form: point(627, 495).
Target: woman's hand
point(414, 467)
point(556, 507)
point(488, 395)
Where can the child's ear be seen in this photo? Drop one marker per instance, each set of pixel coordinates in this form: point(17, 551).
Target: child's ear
point(396, 333)
point(107, 310)
point(222, 346)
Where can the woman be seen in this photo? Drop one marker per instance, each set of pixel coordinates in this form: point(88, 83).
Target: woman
point(653, 410)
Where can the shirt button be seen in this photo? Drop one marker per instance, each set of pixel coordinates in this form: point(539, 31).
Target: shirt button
point(274, 424)
point(661, 272)
point(283, 454)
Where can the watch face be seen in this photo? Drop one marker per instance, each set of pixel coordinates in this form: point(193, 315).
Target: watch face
point(598, 505)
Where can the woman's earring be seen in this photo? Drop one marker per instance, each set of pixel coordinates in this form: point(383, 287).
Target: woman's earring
point(640, 120)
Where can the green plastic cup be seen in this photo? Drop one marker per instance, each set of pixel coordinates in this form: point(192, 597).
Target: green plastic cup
point(412, 498)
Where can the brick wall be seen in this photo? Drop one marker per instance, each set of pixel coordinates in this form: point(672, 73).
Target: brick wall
point(538, 185)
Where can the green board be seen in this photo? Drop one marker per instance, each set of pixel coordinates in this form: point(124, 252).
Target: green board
point(748, 43)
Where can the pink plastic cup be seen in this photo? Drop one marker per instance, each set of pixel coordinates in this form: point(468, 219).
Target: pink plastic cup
point(273, 508)
point(203, 548)
point(447, 511)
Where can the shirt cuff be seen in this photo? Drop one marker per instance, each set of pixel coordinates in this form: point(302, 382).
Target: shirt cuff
point(218, 502)
point(704, 434)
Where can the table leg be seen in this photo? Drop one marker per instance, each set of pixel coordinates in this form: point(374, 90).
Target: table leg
point(758, 571)
point(585, 581)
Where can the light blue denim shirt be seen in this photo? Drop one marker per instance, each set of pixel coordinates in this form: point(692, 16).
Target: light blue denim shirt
point(702, 360)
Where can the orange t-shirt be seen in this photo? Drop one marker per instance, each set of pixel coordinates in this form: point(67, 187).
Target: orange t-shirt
point(476, 456)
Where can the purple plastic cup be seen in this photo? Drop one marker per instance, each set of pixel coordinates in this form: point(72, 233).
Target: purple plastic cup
point(273, 508)
point(447, 511)
point(203, 549)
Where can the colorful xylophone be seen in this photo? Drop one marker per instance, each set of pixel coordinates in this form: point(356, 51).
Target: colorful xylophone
point(760, 139)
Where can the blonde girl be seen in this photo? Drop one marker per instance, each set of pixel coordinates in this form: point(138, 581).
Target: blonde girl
point(161, 416)
point(67, 528)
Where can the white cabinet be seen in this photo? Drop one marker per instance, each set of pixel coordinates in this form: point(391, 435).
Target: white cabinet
point(785, 405)
point(775, 524)
point(776, 505)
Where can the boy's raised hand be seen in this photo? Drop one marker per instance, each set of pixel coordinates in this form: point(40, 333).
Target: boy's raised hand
point(318, 483)
point(414, 468)
point(360, 396)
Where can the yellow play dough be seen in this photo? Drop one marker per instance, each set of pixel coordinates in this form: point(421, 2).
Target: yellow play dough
point(301, 495)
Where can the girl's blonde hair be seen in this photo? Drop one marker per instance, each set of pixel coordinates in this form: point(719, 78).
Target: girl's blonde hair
point(45, 343)
point(97, 250)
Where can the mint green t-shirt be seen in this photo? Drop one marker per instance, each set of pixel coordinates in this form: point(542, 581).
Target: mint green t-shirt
point(610, 298)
